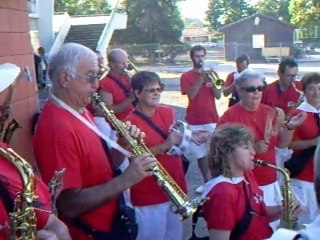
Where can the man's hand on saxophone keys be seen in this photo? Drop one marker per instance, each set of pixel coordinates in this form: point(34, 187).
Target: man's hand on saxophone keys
point(139, 168)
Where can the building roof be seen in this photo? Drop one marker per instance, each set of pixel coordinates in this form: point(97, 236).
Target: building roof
point(260, 15)
point(195, 32)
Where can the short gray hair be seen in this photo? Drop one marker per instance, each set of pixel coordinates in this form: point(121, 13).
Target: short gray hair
point(67, 58)
point(249, 74)
point(317, 173)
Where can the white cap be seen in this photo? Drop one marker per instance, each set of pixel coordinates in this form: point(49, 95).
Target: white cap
point(8, 74)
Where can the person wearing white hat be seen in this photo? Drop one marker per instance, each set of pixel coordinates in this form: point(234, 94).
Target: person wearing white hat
point(48, 225)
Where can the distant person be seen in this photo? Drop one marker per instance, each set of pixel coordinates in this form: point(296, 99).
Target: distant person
point(38, 69)
point(115, 88)
point(285, 92)
point(242, 63)
point(201, 111)
point(100, 63)
point(44, 65)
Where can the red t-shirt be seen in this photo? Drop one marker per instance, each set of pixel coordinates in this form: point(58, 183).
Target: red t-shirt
point(11, 180)
point(109, 85)
point(308, 130)
point(148, 191)
point(202, 108)
point(285, 100)
point(62, 141)
point(226, 206)
point(256, 121)
point(229, 82)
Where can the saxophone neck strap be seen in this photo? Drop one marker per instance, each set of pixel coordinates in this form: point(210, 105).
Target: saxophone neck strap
point(90, 125)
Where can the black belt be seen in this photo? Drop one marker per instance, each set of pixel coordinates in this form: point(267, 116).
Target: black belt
point(96, 234)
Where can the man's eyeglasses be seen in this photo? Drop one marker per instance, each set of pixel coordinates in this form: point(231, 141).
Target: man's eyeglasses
point(153, 90)
point(90, 78)
point(292, 76)
point(252, 89)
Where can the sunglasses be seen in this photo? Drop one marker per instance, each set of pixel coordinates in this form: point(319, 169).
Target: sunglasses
point(252, 89)
point(153, 90)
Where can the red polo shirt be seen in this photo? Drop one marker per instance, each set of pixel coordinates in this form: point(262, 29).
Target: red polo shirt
point(202, 108)
point(226, 206)
point(109, 84)
point(256, 121)
point(62, 141)
point(148, 191)
point(274, 97)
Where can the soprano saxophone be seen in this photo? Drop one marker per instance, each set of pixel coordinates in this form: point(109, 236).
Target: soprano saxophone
point(22, 221)
point(183, 206)
point(288, 220)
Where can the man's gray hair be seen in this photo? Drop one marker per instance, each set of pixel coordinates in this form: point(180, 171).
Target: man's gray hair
point(249, 74)
point(317, 173)
point(67, 58)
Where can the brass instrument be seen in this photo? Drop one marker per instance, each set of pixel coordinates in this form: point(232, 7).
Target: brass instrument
point(214, 78)
point(183, 207)
point(288, 220)
point(55, 187)
point(10, 74)
point(22, 221)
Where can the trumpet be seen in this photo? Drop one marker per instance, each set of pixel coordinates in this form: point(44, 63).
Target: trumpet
point(214, 78)
point(130, 70)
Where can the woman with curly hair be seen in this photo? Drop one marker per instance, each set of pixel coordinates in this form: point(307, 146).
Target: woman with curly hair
point(235, 207)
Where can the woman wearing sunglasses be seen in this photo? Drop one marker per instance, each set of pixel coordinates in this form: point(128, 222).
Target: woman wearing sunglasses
point(256, 116)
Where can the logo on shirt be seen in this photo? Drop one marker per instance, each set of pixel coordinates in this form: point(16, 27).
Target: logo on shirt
point(257, 198)
point(290, 104)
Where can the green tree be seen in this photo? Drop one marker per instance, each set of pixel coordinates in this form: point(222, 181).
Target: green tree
point(152, 21)
point(82, 7)
point(222, 12)
point(277, 8)
point(306, 15)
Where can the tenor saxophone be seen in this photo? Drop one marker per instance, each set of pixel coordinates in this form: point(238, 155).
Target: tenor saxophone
point(22, 221)
point(288, 220)
point(183, 206)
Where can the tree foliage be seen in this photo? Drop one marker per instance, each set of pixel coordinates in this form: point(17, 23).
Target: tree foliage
point(152, 21)
point(82, 7)
point(306, 15)
point(277, 8)
point(222, 12)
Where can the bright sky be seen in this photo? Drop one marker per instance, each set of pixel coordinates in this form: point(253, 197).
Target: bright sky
point(191, 8)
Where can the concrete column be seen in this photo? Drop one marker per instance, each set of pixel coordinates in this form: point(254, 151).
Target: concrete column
point(45, 9)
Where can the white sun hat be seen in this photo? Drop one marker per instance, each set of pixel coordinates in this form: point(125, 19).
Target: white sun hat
point(8, 74)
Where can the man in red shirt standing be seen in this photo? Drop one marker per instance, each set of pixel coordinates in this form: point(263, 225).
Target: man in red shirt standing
point(201, 112)
point(66, 137)
point(115, 88)
point(242, 63)
point(285, 92)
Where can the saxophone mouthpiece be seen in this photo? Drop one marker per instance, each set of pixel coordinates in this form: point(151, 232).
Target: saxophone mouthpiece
point(260, 162)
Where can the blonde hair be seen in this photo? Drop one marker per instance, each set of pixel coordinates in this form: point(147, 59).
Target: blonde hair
point(223, 142)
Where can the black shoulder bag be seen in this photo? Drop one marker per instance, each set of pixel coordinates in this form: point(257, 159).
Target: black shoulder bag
point(163, 134)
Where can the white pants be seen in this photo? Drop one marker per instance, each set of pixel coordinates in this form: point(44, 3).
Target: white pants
point(304, 192)
point(158, 222)
point(195, 151)
point(272, 197)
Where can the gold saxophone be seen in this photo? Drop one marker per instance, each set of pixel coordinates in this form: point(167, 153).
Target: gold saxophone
point(288, 220)
point(6, 133)
point(22, 221)
point(183, 207)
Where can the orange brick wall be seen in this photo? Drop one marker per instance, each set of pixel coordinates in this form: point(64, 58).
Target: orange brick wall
point(15, 47)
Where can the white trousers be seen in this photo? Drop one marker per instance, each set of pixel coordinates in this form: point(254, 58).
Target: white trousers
point(158, 222)
point(272, 197)
point(195, 151)
point(304, 192)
